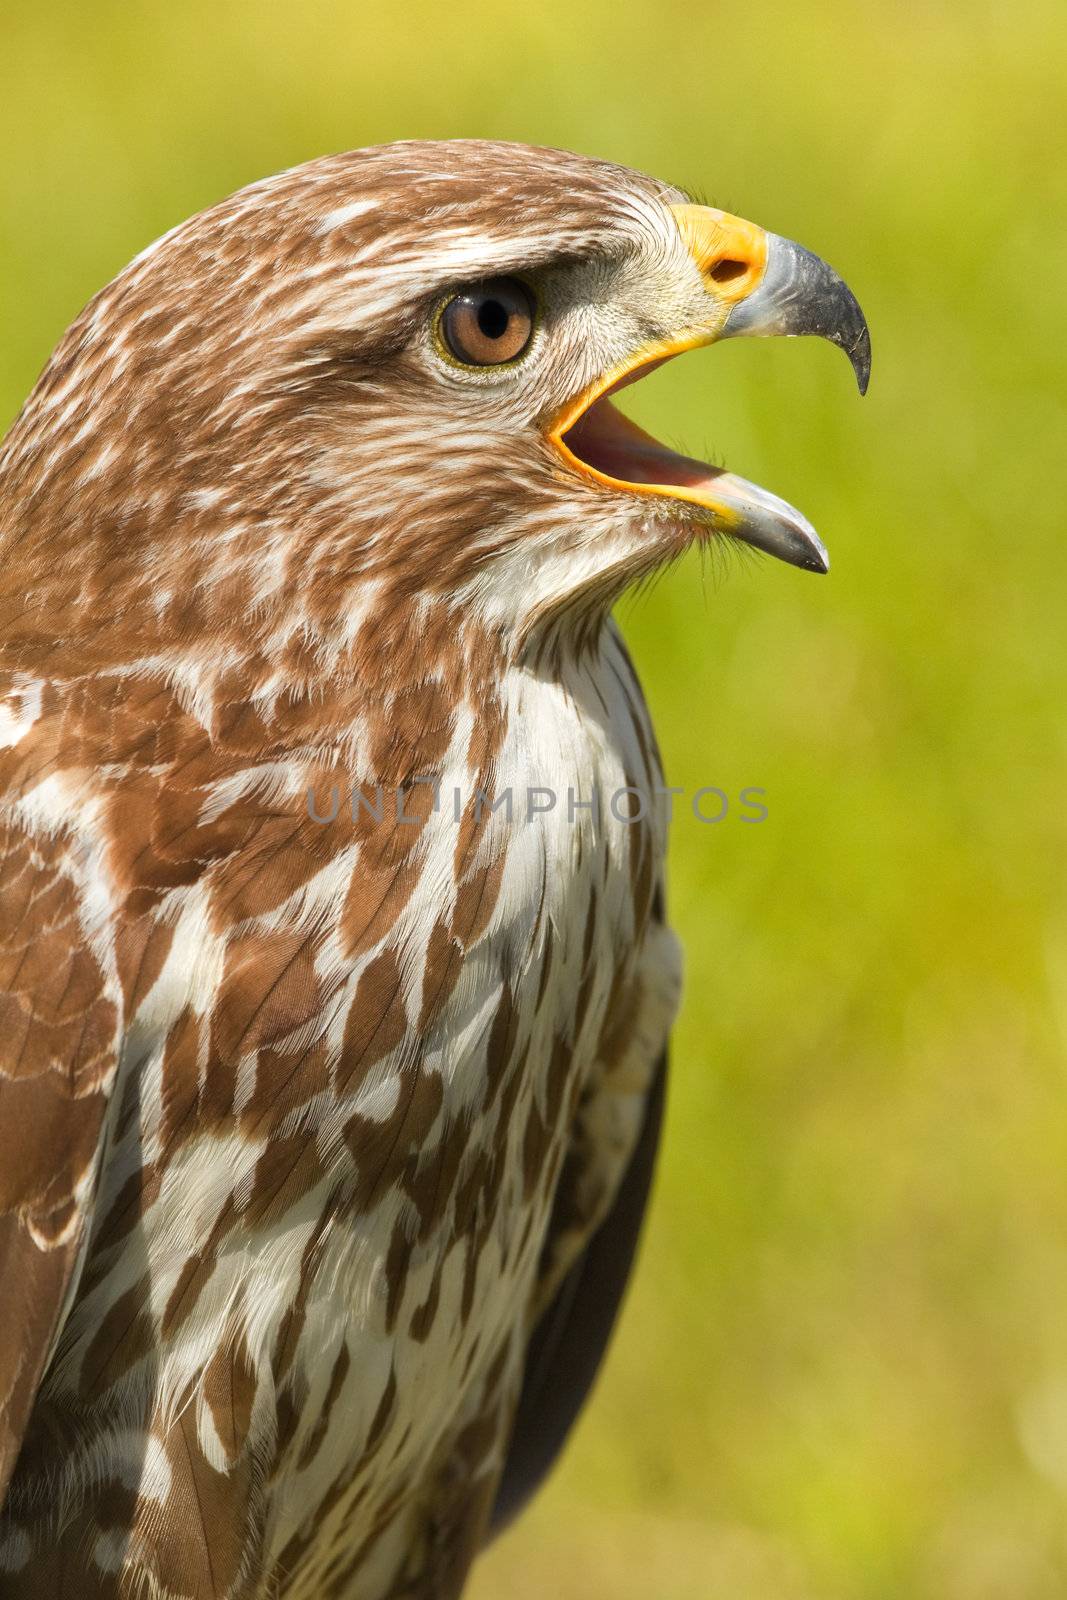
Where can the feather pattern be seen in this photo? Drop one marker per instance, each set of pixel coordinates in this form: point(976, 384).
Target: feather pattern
point(324, 1051)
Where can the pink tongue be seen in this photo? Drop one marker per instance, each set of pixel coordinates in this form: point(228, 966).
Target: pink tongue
point(610, 443)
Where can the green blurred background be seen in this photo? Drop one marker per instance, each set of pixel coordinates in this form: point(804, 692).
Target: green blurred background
point(843, 1370)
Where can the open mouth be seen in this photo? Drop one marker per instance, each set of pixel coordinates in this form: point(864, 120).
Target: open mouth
point(598, 441)
point(609, 444)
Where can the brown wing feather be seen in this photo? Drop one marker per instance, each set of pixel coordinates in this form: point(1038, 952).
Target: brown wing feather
point(58, 1029)
point(570, 1341)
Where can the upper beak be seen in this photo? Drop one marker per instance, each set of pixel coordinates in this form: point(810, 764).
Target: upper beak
point(773, 286)
point(756, 283)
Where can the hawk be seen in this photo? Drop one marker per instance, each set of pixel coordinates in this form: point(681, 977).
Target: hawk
point(335, 980)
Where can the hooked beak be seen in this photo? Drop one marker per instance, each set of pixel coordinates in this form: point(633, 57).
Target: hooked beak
point(756, 283)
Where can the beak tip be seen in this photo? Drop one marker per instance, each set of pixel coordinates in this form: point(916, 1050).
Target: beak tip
point(816, 558)
point(854, 338)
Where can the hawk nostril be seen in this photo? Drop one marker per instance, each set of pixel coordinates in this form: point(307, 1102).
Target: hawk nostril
point(726, 271)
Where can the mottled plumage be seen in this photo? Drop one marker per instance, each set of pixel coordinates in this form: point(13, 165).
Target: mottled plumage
point(306, 1125)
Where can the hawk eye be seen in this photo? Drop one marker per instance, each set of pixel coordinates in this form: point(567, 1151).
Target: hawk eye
point(488, 323)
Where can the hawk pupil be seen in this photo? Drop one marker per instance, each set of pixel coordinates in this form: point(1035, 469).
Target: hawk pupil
point(493, 319)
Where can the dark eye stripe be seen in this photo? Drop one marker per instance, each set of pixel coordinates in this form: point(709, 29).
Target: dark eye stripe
point(489, 322)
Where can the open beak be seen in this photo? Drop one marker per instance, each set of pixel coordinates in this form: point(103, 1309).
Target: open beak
point(756, 283)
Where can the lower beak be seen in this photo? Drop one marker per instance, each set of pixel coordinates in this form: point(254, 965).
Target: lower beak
point(609, 447)
point(757, 284)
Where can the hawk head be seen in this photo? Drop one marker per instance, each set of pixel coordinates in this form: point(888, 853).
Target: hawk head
point(383, 379)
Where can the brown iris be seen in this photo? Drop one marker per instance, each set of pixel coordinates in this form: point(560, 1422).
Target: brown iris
point(488, 323)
